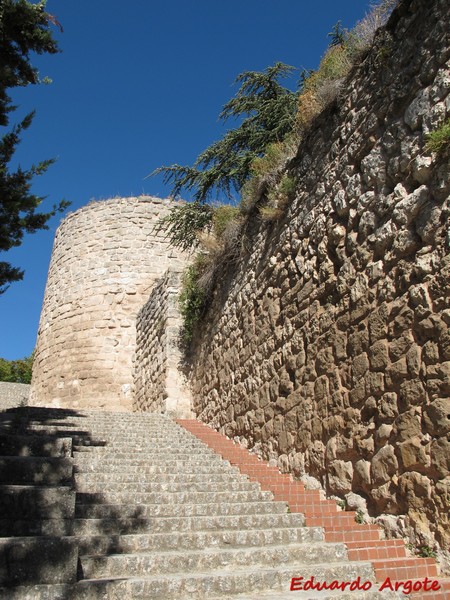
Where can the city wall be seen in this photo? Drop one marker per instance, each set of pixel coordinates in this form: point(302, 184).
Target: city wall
point(327, 347)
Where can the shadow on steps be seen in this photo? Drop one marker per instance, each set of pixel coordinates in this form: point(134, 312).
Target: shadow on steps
point(41, 539)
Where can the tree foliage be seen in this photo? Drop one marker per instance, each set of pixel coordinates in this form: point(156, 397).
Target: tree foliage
point(183, 222)
point(16, 371)
point(266, 111)
point(24, 29)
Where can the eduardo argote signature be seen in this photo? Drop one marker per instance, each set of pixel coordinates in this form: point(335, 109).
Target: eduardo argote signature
point(406, 587)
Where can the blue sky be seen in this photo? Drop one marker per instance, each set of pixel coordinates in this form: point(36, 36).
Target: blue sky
point(136, 86)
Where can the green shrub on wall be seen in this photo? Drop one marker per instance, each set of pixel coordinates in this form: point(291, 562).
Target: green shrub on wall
point(438, 141)
point(193, 296)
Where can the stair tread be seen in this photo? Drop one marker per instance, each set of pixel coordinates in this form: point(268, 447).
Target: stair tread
point(148, 472)
point(207, 551)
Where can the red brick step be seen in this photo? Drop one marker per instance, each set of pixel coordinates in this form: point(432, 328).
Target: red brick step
point(364, 542)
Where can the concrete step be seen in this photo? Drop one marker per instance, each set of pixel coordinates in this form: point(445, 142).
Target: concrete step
point(28, 445)
point(190, 540)
point(155, 563)
point(133, 430)
point(134, 433)
point(148, 441)
point(128, 431)
point(204, 585)
point(124, 497)
point(148, 445)
point(18, 470)
point(60, 593)
point(197, 523)
point(153, 499)
point(92, 511)
point(160, 422)
point(29, 560)
point(338, 526)
point(133, 445)
point(168, 488)
point(124, 437)
point(165, 431)
point(19, 502)
point(101, 452)
point(148, 459)
point(143, 467)
point(40, 527)
point(179, 479)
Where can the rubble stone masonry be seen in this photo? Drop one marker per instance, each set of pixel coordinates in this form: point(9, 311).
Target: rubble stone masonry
point(105, 261)
point(160, 384)
point(328, 346)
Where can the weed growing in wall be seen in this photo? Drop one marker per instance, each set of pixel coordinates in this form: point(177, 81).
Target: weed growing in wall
point(438, 141)
point(220, 242)
point(359, 517)
point(426, 552)
point(223, 215)
point(279, 197)
point(193, 296)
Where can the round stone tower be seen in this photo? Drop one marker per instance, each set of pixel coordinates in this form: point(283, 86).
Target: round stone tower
point(106, 258)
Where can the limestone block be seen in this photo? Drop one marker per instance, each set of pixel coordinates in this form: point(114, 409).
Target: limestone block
point(436, 417)
point(384, 498)
point(384, 465)
point(379, 355)
point(378, 324)
point(358, 342)
point(357, 503)
point(406, 242)
point(340, 476)
point(414, 455)
point(417, 109)
point(409, 207)
point(383, 237)
point(416, 488)
point(397, 372)
point(440, 456)
point(408, 425)
point(412, 393)
point(383, 434)
point(444, 343)
point(340, 202)
point(373, 167)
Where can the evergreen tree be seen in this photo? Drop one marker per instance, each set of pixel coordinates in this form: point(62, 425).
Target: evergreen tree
point(24, 29)
point(266, 113)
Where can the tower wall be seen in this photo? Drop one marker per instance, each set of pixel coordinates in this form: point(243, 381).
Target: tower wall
point(105, 261)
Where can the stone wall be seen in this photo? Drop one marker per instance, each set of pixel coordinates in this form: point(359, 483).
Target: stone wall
point(328, 347)
point(13, 394)
point(105, 261)
point(160, 385)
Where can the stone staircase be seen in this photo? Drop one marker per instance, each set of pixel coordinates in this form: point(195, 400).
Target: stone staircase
point(98, 505)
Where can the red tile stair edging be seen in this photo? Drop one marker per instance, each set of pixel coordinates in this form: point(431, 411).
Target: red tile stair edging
point(388, 557)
